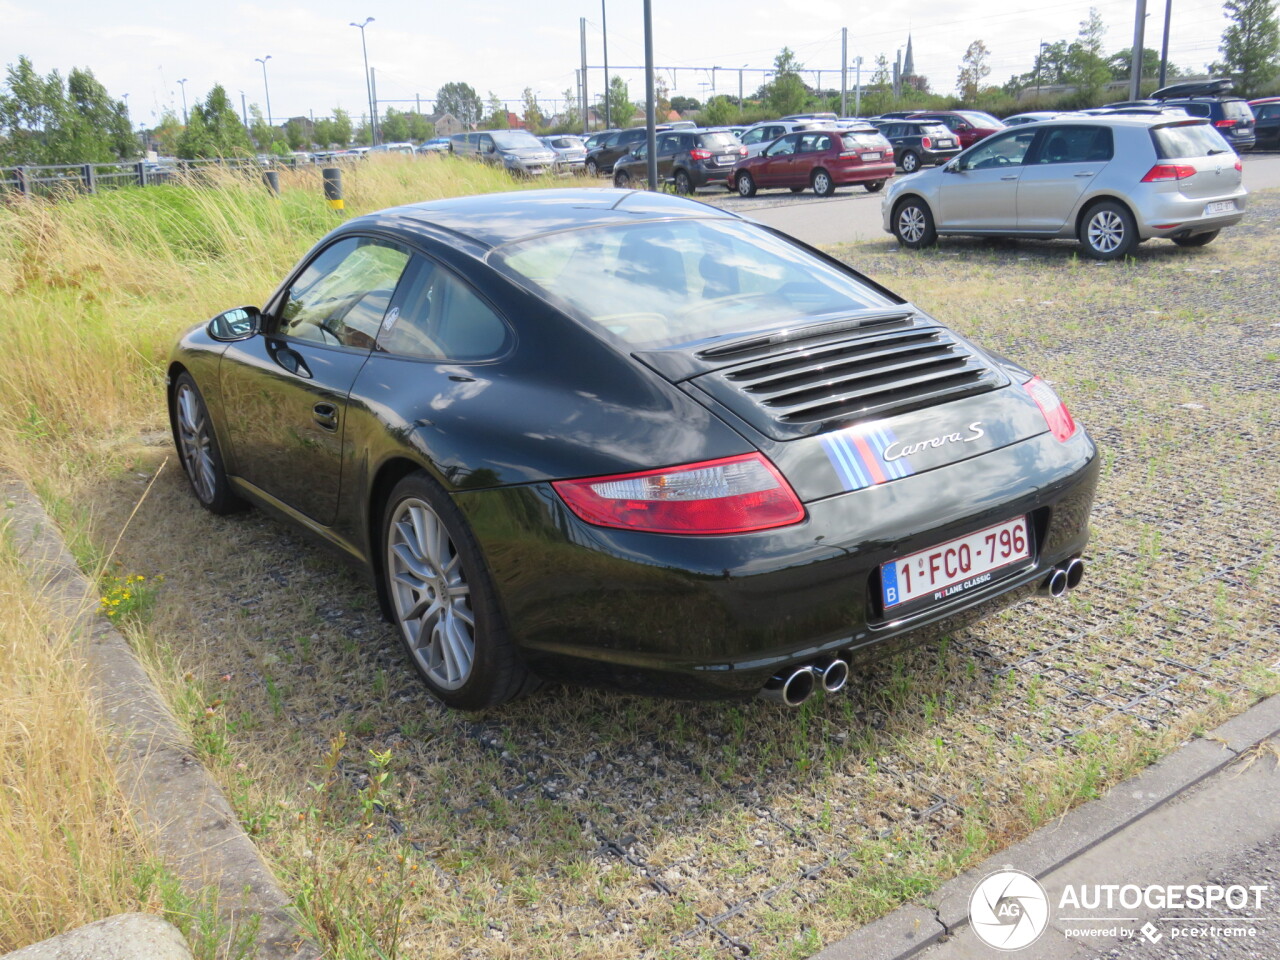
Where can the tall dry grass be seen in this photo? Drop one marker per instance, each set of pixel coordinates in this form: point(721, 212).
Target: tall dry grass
point(68, 851)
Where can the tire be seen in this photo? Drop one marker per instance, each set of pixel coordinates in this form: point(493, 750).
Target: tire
point(874, 186)
point(684, 186)
point(913, 224)
point(443, 602)
point(197, 444)
point(822, 183)
point(1107, 231)
point(746, 184)
point(797, 189)
point(910, 161)
point(1196, 240)
point(593, 168)
point(622, 180)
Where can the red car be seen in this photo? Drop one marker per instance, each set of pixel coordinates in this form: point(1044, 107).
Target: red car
point(969, 125)
point(822, 159)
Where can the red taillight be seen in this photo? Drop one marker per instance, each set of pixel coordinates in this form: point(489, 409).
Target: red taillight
point(1056, 415)
point(926, 143)
point(699, 154)
point(1169, 171)
point(1224, 123)
point(731, 495)
point(1239, 167)
point(742, 151)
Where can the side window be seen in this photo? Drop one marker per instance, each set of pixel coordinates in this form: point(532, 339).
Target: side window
point(1075, 145)
point(1003, 151)
point(753, 136)
point(439, 317)
point(632, 137)
point(668, 143)
point(486, 143)
point(783, 148)
point(1196, 109)
point(342, 295)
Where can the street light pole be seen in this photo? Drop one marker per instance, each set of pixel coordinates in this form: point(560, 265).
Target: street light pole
point(183, 84)
point(604, 29)
point(368, 87)
point(266, 89)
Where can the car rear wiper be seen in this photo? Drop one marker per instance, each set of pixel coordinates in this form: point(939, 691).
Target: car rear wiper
point(1214, 153)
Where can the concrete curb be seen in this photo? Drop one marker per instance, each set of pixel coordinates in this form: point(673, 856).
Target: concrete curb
point(129, 936)
point(174, 799)
point(905, 932)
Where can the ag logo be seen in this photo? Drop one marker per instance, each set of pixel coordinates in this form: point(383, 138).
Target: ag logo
point(1009, 910)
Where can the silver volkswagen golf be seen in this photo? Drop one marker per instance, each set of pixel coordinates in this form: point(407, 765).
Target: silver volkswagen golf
point(1109, 181)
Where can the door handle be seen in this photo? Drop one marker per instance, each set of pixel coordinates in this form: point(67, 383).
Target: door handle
point(1012, 176)
point(1085, 173)
point(326, 414)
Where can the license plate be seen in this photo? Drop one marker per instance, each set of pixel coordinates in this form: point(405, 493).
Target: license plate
point(1219, 206)
point(871, 156)
point(946, 143)
point(956, 566)
point(723, 161)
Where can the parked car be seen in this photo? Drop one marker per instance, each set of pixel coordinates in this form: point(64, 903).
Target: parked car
point(969, 125)
point(759, 135)
point(1035, 116)
point(821, 159)
point(1266, 113)
point(1111, 182)
point(395, 147)
point(519, 152)
point(687, 159)
point(570, 151)
point(602, 157)
point(918, 143)
point(595, 139)
point(626, 438)
point(1212, 99)
point(434, 145)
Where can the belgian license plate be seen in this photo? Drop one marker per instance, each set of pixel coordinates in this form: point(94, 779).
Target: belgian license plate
point(871, 156)
point(725, 160)
point(956, 566)
point(1219, 206)
point(946, 143)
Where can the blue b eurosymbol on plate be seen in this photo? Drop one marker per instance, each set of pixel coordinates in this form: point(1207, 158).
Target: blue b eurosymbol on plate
point(857, 454)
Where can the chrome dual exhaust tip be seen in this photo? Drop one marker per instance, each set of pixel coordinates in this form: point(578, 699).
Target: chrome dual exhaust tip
point(794, 687)
point(834, 675)
point(1062, 578)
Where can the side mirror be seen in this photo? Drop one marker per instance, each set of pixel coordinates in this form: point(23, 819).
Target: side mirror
point(951, 166)
point(238, 324)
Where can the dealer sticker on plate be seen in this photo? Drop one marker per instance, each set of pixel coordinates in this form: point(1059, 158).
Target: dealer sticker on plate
point(955, 566)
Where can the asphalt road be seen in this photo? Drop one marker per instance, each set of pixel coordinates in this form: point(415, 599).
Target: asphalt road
point(854, 214)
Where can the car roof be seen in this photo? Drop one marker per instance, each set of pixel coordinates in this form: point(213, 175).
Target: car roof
point(492, 219)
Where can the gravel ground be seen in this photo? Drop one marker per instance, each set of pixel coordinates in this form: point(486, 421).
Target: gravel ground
point(596, 824)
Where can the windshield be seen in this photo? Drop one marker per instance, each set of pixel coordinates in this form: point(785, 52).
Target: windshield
point(516, 139)
point(657, 284)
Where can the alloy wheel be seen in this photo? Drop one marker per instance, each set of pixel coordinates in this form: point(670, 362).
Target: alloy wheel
point(1106, 231)
point(430, 593)
point(194, 443)
point(911, 223)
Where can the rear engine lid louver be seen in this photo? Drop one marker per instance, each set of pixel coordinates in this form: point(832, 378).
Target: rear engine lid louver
point(799, 390)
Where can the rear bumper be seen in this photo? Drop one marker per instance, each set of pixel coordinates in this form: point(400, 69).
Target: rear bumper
point(717, 616)
point(1176, 215)
point(864, 172)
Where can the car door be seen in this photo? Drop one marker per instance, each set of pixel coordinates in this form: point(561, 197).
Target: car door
point(668, 144)
point(779, 157)
point(286, 391)
point(979, 189)
point(1062, 168)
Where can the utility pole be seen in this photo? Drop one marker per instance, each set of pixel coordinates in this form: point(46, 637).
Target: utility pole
point(266, 89)
point(604, 29)
point(373, 117)
point(740, 104)
point(651, 138)
point(844, 71)
point(368, 84)
point(1135, 71)
point(857, 88)
point(183, 84)
point(244, 110)
point(582, 37)
point(1164, 47)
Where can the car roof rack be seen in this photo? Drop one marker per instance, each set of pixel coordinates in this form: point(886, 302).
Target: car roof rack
point(1195, 88)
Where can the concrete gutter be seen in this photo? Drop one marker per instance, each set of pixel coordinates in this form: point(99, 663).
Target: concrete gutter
point(176, 803)
point(130, 936)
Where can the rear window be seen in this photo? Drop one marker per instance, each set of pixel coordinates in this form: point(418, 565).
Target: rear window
point(661, 283)
point(934, 129)
point(1236, 110)
point(979, 119)
point(1188, 140)
point(852, 141)
point(717, 141)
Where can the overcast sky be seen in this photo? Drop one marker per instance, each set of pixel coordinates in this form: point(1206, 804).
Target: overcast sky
point(144, 47)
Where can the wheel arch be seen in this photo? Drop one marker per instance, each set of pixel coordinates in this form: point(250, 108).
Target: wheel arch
point(1090, 202)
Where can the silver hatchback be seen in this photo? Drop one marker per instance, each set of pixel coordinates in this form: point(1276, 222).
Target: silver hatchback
point(1110, 182)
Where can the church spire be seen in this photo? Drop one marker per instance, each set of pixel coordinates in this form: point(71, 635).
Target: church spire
point(909, 64)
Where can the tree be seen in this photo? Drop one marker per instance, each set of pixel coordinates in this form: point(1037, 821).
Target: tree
point(621, 109)
point(214, 130)
point(44, 120)
point(341, 127)
point(263, 134)
point(1120, 64)
point(570, 120)
point(661, 98)
point(167, 132)
point(295, 134)
point(719, 112)
point(685, 104)
point(496, 118)
point(461, 101)
point(787, 93)
point(1088, 68)
point(973, 70)
point(1250, 45)
point(395, 126)
point(533, 119)
point(420, 128)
